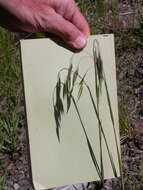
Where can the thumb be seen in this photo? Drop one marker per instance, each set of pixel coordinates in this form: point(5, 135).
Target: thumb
point(67, 31)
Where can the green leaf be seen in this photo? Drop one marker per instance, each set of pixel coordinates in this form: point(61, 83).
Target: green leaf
point(109, 102)
point(64, 90)
point(70, 70)
point(101, 7)
point(94, 158)
point(80, 92)
point(113, 165)
point(57, 120)
point(61, 106)
point(68, 81)
point(75, 75)
point(81, 87)
point(100, 125)
point(112, 119)
point(82, 80)
point(87, 139)
point(58, 110)
point(58, 134)
point(99, 65)
point(58, 89)
point(68, 102)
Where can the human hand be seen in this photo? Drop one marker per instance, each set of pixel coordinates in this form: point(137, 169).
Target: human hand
point(61, 17)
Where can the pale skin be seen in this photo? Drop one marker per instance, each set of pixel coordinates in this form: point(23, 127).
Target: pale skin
point(61, 17)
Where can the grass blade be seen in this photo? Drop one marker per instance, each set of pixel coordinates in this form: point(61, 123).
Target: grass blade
point(100, 125)
point(88, 142)
point(113, 124)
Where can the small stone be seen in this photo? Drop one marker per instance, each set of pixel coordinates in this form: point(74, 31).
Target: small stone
point(16, 186)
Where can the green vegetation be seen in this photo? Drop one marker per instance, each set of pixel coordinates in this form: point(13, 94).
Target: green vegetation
point(10, 91)
point(10, 96)
point(123, 121)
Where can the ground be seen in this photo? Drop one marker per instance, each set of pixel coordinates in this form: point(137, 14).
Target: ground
point(129, 62)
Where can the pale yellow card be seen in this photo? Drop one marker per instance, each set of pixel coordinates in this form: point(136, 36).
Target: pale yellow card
point(69, 161)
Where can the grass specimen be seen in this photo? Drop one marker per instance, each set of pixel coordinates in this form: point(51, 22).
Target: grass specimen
point(64, 90)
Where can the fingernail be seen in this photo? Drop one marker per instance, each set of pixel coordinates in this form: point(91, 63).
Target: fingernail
point(80, 42)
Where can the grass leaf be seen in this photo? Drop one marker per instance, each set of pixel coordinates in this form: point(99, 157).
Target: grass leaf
point(57, 120)
point(75, 75)
point(80, 92)
point(58, 88)
point(64, 90)
point(87, 139)
point(94, 158)
point(68, 102)
point(109, 102)
point(68, 81)
point(100, 125)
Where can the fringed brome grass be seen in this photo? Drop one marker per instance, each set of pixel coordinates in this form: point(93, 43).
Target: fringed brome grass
point(64, 90)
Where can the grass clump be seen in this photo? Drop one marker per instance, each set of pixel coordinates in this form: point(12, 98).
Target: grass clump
point(10, 90)
point(10, 97)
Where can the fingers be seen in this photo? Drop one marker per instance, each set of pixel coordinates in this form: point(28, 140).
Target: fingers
point(67, 31)
point(73, 14)
point(79, 21)
point(70, 12)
